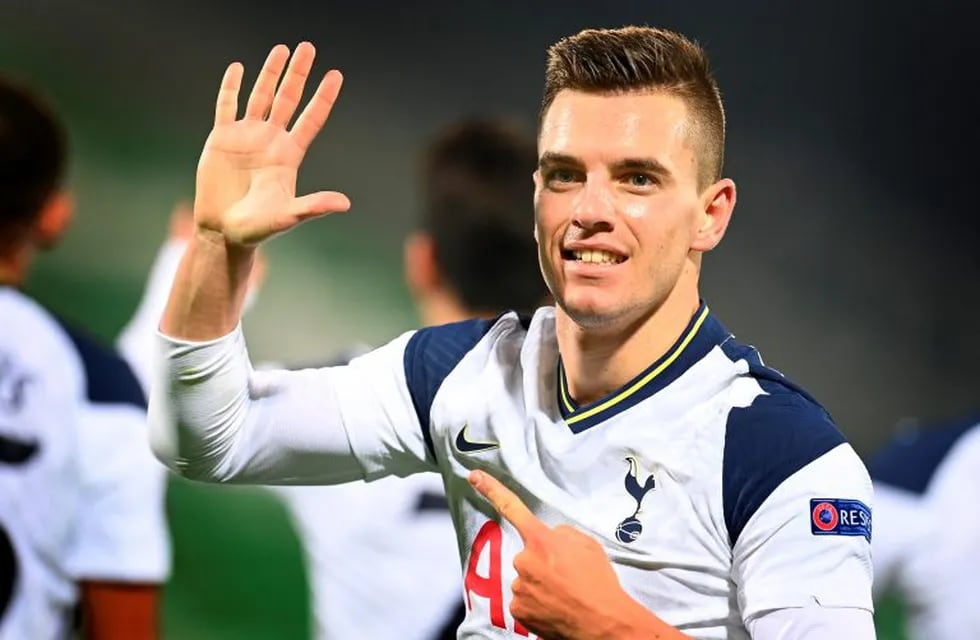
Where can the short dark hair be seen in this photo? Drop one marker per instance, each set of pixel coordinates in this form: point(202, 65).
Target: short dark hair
point(477, 198)
point(628, 59)
point(33, 155)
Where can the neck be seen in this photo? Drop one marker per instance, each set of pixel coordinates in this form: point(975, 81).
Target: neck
point(599, 360)
point(13, 266)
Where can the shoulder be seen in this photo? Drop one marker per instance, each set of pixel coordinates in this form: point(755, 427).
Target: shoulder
point(34, 340)
point(777, 432)
point(433, 352)
point(461, 337)
point(910, 460)
point(108, 378)
point(780, 412)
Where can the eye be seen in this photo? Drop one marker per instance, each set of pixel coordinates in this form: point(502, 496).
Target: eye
point(560, 176)
point(640, 180)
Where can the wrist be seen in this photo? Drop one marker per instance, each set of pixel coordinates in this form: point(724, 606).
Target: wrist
point(214, 239)
point(209, 288)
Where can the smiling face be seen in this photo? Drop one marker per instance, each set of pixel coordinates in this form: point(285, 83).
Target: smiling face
point(619, 217)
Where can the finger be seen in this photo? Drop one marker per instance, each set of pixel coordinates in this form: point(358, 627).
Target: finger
point(317, 110)
point(226, 110)
point(311, 206)
point(291, 90)
point(265, 85)
point(509, 506)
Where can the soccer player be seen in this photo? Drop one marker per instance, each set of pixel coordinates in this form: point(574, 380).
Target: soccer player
point(927, 532)
point(472, 257)
point(617, 465)
point(81, 496)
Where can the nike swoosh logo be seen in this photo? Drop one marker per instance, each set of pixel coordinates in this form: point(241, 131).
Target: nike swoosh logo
point(16, 452)
point(464, 445)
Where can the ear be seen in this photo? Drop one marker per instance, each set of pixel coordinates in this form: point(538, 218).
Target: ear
point(717, 205)
point(53, 220)
point(421, 268)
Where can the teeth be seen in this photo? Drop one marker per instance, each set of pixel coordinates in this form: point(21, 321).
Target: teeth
point(595, 256)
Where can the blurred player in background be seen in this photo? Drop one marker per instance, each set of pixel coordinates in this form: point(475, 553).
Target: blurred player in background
point(927, 527)
point(81, 497)
point(617, 465)
point(381, 556)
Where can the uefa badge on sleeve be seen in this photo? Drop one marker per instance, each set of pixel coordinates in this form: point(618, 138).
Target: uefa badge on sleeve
point(837, 517)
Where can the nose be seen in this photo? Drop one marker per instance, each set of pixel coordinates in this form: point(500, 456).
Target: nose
point(593, 209)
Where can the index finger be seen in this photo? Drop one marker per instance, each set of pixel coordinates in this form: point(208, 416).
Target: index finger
point(509, 506)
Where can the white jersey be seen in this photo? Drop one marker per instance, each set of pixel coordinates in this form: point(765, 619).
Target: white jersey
point(81, 497)
point(927, 543)
point(720, 491)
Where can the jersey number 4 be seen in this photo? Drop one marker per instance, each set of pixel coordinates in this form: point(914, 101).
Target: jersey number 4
point(490, 585)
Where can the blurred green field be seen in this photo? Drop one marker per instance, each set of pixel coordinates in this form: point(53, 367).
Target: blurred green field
point(889, 619)
point(238, 567)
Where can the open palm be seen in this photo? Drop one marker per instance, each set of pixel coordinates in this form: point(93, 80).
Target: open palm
point(246, 178)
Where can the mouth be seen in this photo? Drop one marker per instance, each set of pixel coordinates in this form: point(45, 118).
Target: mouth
point(592, 256)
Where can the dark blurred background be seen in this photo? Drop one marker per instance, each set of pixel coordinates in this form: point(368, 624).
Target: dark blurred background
point(852, 262)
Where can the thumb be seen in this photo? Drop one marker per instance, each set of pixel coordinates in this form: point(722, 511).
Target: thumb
point(319, 204)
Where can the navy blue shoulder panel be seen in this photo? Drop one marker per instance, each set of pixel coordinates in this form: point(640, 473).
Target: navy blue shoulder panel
point(431, 354)
point(910, 460)
point(108, 379)
point(782, 431)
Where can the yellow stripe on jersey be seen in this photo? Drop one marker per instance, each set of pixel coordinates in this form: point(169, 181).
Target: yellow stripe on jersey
point(645, 379)
point(563, 387)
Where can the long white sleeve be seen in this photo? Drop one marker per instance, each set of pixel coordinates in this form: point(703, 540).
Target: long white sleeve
point(212, 417)
point(813, 622)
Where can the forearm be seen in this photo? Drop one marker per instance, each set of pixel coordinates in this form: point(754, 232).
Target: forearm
point(213, 418)
point(209, 290)
point(636, 622)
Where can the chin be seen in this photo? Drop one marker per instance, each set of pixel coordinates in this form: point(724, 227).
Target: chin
point(591, 313)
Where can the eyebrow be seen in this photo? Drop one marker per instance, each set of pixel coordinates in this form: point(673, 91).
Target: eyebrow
point(643, 164)
point(550, 158)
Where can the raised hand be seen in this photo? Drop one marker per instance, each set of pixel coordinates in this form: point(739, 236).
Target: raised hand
point(246, 177)
point(566, 587)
